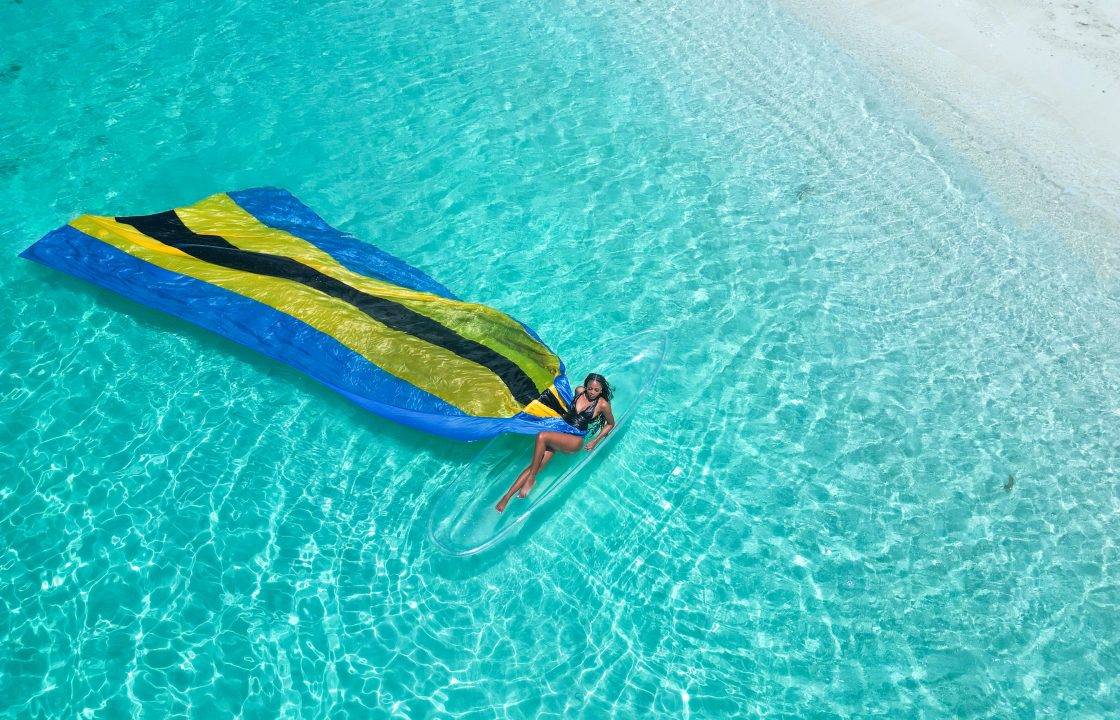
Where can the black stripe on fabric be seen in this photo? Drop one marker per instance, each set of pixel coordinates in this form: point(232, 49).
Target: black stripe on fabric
point(552, 402)
point(168, 228)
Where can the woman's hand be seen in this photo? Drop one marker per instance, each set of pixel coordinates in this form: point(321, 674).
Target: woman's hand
point(591, 445)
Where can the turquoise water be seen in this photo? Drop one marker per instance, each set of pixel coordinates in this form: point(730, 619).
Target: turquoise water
point(809, 516)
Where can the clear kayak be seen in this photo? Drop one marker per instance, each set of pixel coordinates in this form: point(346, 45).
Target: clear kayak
point(463, 519)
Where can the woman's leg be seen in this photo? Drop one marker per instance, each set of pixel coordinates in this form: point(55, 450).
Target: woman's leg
point(520, 481)
point(528, 472)
point(546, 442)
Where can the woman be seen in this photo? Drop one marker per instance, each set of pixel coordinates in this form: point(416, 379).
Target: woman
point(590, 406)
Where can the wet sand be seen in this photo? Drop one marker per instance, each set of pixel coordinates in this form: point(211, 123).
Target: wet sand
point(1028, 91)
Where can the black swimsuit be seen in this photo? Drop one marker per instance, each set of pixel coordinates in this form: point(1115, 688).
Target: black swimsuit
point(580, 421)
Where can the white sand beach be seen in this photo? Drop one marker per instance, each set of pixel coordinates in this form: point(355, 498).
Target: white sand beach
point(1028, 91)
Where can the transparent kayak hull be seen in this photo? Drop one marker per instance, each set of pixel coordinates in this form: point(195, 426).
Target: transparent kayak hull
point(463, 519)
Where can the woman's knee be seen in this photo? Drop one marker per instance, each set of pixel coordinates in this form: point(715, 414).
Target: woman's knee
point(566, 443)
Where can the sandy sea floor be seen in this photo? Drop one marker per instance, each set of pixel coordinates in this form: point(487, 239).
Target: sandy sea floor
point(1028, 91)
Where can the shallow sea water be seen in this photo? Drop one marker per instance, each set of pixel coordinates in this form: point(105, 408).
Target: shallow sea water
point(878, 475)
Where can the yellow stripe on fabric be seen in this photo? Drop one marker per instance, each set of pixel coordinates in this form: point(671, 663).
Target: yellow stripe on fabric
point(472, 388)
point(539, 409)
point(90, 225)
point(220, 215)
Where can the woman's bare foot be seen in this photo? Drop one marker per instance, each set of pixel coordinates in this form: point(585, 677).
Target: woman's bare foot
point(501, 506)
point(527, 486)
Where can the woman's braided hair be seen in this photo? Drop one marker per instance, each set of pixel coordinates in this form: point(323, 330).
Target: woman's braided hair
point(608, 393)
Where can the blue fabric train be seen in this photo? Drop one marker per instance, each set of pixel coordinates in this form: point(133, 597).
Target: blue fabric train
point(261, 268)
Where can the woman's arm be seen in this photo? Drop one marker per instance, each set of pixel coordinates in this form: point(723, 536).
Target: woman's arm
point(608, 416)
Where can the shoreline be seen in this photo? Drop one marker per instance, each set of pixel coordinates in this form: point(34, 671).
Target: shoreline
point(1027, 92)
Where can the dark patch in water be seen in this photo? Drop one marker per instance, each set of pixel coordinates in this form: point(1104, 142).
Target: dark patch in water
point(1009, 484)
point(805, 191)
point(11, 72)
point(8, 167)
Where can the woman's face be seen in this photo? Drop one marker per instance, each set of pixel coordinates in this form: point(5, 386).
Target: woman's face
point(593, 389)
